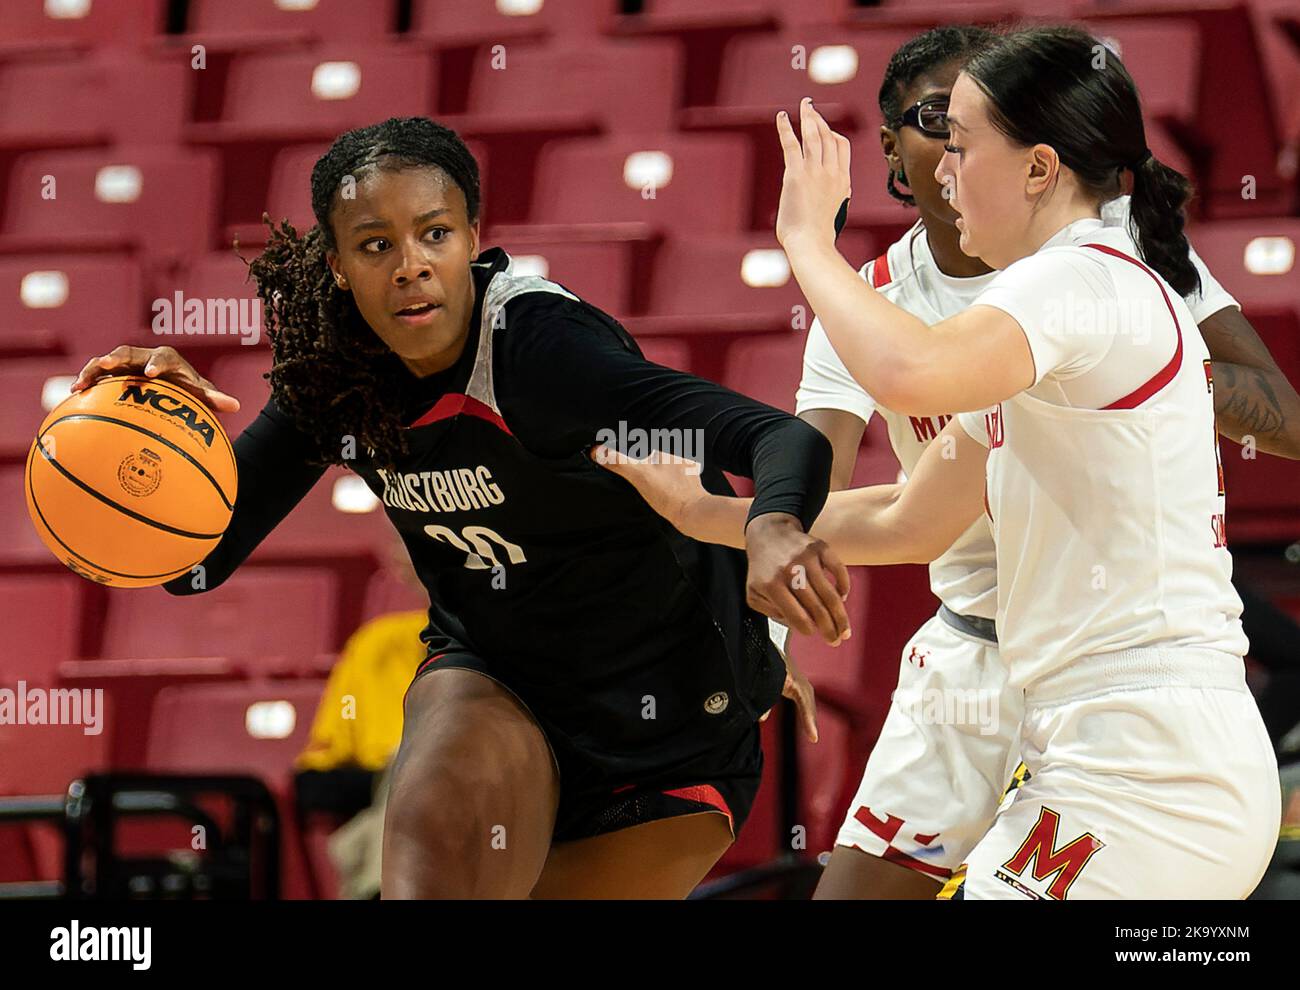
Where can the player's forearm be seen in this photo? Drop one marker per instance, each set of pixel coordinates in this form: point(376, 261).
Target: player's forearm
point(712, 518)
point(872, 526)
point(884, 347)
point(1258, 403)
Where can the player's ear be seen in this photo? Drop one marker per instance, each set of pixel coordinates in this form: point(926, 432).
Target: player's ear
point(332, 259)
point(473, 239)
point(1043, 167)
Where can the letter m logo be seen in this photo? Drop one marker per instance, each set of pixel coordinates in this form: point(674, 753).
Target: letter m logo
point(1066, 863)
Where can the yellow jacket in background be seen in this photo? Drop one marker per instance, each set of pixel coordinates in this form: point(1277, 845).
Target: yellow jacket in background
point(359, 720)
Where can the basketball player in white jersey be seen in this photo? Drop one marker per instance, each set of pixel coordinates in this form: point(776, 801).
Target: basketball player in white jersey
point(931, 786)
point(1095, 463)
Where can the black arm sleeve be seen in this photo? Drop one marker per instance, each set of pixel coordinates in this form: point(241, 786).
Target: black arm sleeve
point(271, 455)
point(565, 376)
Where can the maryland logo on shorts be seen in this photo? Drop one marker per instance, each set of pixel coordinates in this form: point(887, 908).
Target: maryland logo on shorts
point(1045, 860)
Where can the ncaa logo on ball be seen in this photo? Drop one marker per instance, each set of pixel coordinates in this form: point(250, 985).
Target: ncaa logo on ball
point(140, 473)
point(716, 703)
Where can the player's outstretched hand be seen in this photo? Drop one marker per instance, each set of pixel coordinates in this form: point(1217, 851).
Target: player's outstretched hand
point(816, 180)
point(669, 486)
point(156, 362)
point(796, 578)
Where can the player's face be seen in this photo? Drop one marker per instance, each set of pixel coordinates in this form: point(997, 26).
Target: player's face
point(918, 153)
point(404, 247)
point(985, 175)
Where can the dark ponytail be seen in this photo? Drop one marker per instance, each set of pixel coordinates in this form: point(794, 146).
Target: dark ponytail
point(1061, 87)
point(1160, 194)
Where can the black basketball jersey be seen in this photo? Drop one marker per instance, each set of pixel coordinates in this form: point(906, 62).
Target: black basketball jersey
point(619, 631)
point(622, 635)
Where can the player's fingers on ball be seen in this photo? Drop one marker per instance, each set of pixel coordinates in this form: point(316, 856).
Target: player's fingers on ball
point(88, 373)
point(223, 401)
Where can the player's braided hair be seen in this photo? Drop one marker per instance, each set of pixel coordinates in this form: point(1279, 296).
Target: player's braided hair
point(912, 60)
point(1060, 86)
point(331, 373)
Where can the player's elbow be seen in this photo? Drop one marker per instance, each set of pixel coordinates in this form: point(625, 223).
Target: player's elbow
point(907, 386)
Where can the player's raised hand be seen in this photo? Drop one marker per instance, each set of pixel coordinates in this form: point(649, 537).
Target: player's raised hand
point(796, 578)
point(816, 180)
point(155, 362)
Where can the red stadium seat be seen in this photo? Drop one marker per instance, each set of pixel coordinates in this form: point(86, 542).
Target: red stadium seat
point(666, 182)
point(36, 24)
point(256, 613)
point(157, 201)
point(43, 625)
point(254, 728)
point(232, 313)
point(599, 271)
point(469, 23)
point(612, 85)
point(1232, 137)
point(841, 71)
point(668, 352)
point(102, 98)
point(742, 283)
point(317, 529)
point(313, 95)
point(24, 384)
point(767, 367)
point(1164, 59)
point(677, 14)
point(260, 21)
point(44, 759)
point(78, 305)
point(1277, 27)
point(1258, 261)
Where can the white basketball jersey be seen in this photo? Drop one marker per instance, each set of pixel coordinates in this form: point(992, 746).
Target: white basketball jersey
point(965, 577)
point(1109, 522)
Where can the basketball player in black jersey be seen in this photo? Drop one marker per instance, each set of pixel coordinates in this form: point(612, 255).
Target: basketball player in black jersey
point(584, 724)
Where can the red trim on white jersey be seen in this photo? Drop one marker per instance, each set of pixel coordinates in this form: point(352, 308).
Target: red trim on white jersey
point(880, 272)
point(1166, 374)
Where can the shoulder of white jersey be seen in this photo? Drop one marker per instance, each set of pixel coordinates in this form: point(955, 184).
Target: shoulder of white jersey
point(894, 265)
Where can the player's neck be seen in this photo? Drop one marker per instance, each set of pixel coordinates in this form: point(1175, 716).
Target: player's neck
point(944, 239)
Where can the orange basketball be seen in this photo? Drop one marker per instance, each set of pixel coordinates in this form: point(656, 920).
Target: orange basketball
point(131, 482)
